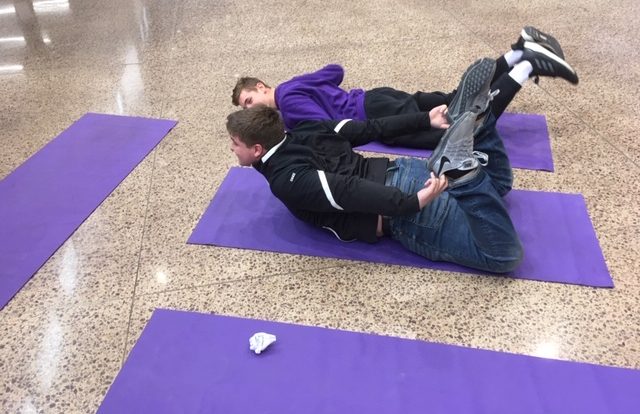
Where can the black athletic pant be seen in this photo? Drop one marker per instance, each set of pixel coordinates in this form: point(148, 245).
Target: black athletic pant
point(381, 102)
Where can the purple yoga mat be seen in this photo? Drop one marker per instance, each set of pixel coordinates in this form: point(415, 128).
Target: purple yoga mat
point(559, 242)
point(187, 362)
point(525, 138)
point(46, 198)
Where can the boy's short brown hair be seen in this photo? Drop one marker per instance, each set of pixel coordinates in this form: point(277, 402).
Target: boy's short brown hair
point(247, 83)
point(256, 125)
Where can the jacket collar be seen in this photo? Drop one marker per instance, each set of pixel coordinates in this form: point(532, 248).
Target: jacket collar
point(273, 150)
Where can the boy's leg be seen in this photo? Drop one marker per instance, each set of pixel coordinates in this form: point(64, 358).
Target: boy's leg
point(461, 150)
point(426, 101)
point(529, 35)
point(456, 157)
point(381, 102)
point(486, 140)
point(506, 85)
point(532, 35)
point(507, 89)
point(535, 61)
point(510, 83)
point(534, 54)
point(421, 140)
point(467, 225)
point(505, 62)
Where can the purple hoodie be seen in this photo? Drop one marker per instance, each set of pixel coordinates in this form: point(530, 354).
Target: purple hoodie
point(318, 96)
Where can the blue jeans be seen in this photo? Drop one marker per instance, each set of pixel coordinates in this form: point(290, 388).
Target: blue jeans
point(468, 224)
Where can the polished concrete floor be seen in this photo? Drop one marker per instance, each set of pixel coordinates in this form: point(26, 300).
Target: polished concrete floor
point(65, 335)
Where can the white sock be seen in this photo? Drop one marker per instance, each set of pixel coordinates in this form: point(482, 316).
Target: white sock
point(521, 72)
point(512, 57)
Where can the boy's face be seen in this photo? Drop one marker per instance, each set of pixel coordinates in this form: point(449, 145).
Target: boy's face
point(257, 96)
point(246, 155)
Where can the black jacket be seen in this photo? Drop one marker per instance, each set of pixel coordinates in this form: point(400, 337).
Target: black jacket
point(322, 181)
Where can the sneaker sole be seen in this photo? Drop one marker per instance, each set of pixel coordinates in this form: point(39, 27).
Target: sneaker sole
point(443, 163)
point(473, 81)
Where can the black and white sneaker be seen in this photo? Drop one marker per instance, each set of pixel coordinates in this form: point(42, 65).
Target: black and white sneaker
point(533, 35)
point(473, 92)
point(454, 155)
point(547, 63)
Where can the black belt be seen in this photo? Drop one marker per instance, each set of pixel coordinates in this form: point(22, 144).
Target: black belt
point(386, 221)
point(391, 168)
point(386, 225)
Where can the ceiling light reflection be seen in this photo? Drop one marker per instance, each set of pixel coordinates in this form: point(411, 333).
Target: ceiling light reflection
point(131, 89)
point(119, 103)
point(68, 274)
point(11, 68)
point(548, 349)
point(7, 10)
point(28, 407)
point(13, 39)
point(50, 352)
point(161, 277)
point(54, 6)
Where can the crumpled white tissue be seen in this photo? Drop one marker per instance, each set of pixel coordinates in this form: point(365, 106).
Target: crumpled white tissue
point(260, 341)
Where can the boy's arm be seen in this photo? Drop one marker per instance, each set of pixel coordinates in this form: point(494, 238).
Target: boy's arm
point(296, 103)
point(299, 107)
point(321, 191)
point(382, 129)
point(332, 73)
point(362, 132)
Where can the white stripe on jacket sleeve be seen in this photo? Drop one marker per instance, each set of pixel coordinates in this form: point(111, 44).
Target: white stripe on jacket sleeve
point(327, 190)
point(340, 125)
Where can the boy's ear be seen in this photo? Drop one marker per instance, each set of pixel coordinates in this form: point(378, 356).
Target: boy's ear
point(258, 150)
point(261, 86)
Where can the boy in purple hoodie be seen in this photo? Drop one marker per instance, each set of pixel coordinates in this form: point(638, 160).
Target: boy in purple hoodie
point(317, 96)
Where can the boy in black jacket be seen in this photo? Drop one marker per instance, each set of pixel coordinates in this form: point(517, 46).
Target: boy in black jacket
point(314, 172)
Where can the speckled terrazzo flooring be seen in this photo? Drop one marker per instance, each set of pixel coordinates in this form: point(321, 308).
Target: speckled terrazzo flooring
point(65, 335)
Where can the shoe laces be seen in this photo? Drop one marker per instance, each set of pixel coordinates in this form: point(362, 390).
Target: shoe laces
point(482, 157)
